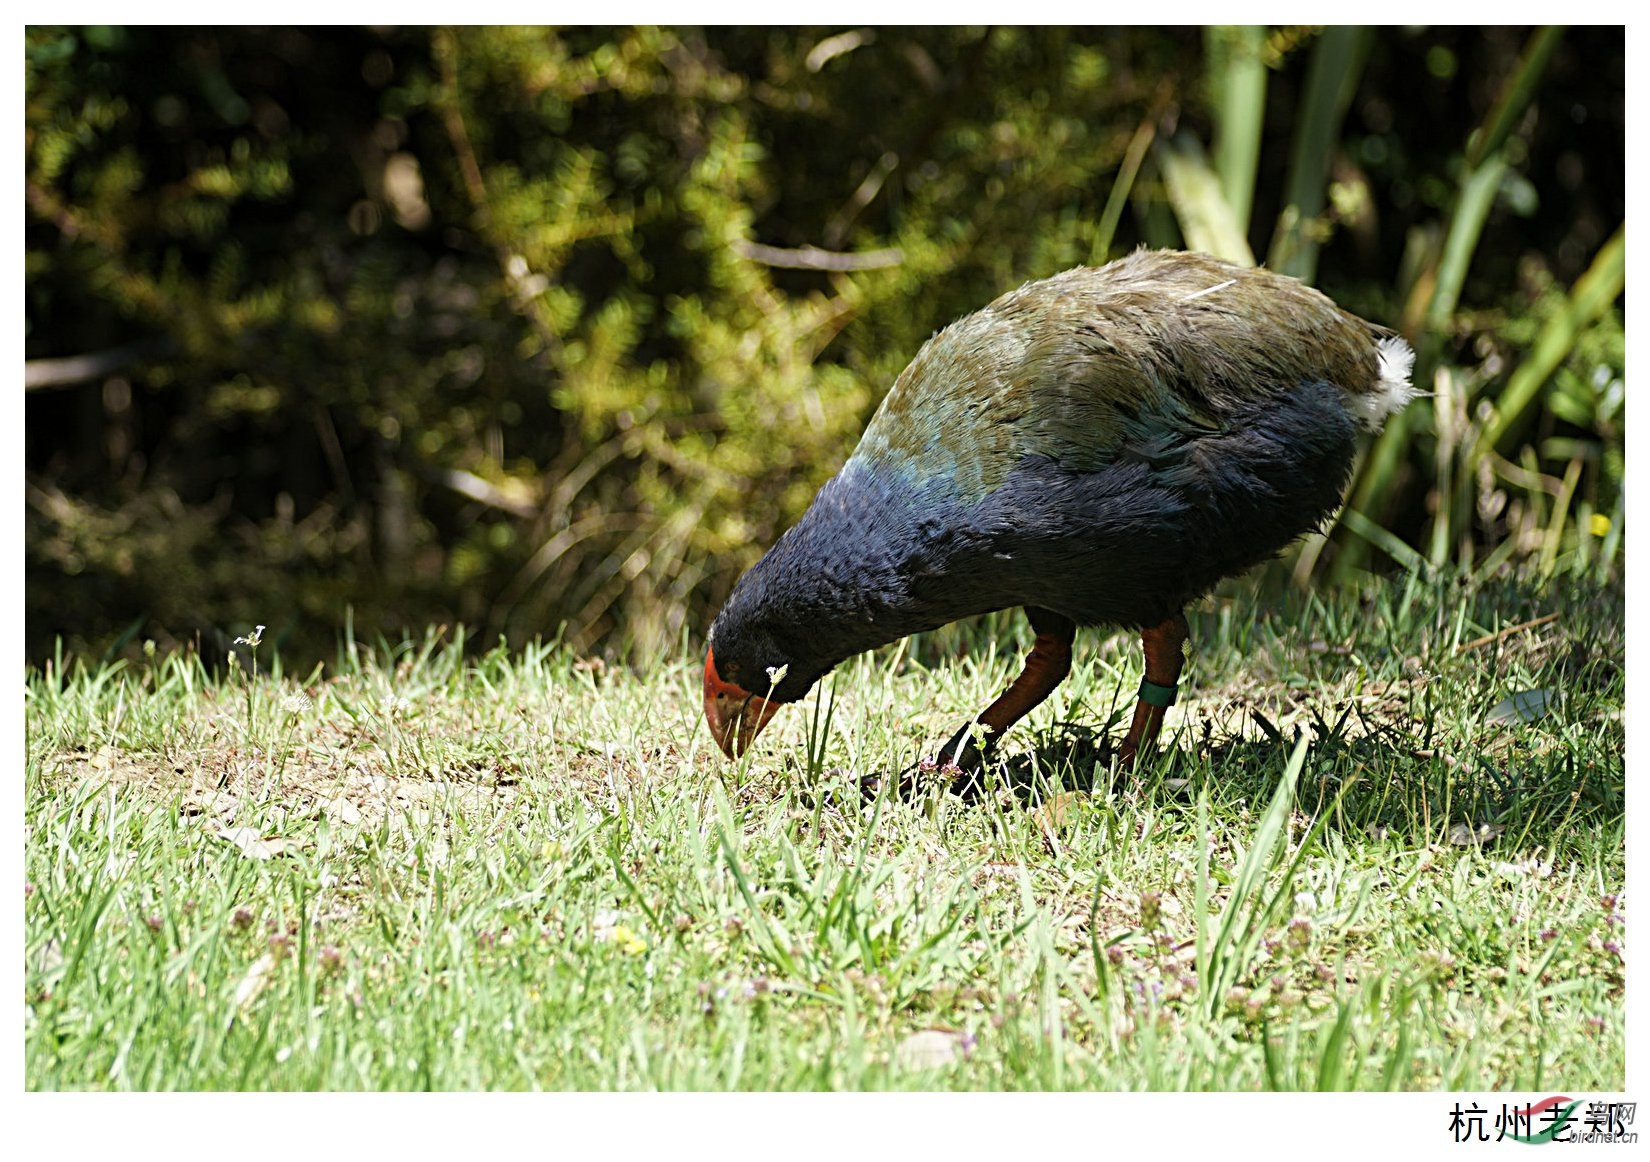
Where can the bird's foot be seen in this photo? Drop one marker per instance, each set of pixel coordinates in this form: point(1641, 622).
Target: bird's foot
point(959, 767)
point(963, 759)
point(914, 782)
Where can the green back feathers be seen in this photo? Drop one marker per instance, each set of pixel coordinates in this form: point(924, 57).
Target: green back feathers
point(1069, 367)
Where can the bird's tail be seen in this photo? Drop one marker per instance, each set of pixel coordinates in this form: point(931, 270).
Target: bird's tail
point(1392, 388)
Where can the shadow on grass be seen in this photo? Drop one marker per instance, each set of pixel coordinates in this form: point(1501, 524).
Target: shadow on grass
point(1380, 783)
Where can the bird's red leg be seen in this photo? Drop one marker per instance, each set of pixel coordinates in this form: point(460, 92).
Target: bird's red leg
point(1163, 645)
point(1046, 667)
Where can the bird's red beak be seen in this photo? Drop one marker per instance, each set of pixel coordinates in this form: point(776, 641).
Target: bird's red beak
point(735, 715)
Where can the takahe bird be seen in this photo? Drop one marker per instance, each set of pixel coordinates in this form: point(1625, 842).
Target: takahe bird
point(1100, 447)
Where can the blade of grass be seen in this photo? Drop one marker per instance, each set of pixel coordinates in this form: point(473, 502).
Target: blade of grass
point(1590, 297)
point(1206, 219)
point(1472, 208)
point(1243, 918)
point(1332, 1072)
point(1444, 391)
point(1561, 511)
point(1439, 285)
point(1436, 290)
point(1122, 187)
point(1383, 540)
point(1331, 79)
point(1516, 94)
point(1237, 88)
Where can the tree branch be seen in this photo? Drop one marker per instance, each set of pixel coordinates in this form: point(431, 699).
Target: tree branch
point(813, 258)
point(80, 368)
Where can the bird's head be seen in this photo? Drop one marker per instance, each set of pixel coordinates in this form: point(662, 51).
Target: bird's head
point(788, 622)
point(734, 713)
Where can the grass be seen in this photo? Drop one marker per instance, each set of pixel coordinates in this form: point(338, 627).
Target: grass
point(1357, 862)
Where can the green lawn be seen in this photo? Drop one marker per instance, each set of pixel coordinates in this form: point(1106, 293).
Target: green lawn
point(417, 869)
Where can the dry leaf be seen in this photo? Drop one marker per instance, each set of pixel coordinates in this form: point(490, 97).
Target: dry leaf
point(49, 958)
point(1055, 811)
point(255, 979)
point(1531, 868)
point(201, 801)
point(1466, 835)
point(253, 845)
point(933, 1048)
point(1524, 706)
point(341, 810)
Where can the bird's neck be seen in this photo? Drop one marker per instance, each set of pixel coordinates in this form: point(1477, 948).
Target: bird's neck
point(850, 576)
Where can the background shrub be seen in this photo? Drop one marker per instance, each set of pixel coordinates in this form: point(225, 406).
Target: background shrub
point(554, 331)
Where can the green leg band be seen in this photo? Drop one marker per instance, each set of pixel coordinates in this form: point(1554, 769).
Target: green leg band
point(1154, 695)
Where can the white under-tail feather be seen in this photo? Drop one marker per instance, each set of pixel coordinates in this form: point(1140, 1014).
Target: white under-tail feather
point(1392, 387)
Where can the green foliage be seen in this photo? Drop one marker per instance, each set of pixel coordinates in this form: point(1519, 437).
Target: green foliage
point(554, 331)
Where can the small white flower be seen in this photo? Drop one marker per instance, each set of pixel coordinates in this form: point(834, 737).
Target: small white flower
point(776, 674)
point(296, 703)
point(257, 636)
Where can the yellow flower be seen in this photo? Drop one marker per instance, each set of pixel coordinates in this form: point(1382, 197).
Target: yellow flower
point(1599, 525)
point(629, 943)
